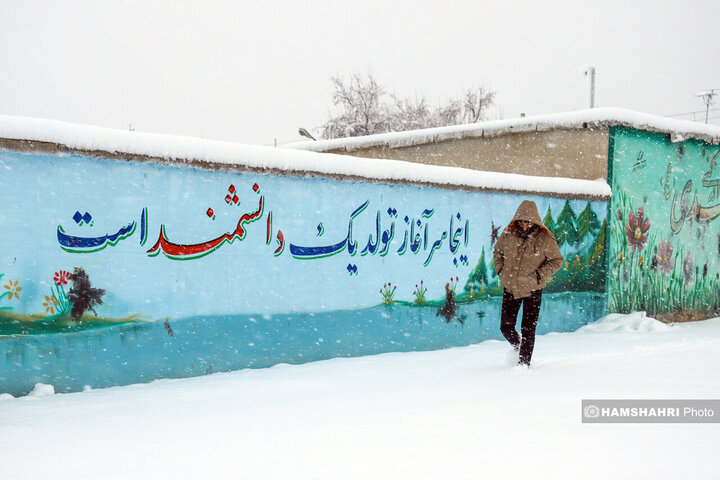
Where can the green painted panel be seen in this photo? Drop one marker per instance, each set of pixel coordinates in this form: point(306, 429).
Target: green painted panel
point(664, 224)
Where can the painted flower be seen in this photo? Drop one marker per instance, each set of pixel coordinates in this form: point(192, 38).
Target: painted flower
point(665, 261)
point(61, 277)
point(636, 229)
point(689, 268)
point(50, 303)
point(14, 289)
point(619, 214)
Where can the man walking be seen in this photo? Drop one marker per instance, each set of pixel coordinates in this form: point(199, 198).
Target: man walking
point(525, 255)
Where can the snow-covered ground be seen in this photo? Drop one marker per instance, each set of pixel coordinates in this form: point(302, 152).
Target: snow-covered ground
point(458, 413)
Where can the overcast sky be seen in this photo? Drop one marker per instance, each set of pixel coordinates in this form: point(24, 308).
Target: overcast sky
point(254, 72)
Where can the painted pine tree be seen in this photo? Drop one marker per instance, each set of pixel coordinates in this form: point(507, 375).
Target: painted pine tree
point(548, 221)
point(566, 226)
point(479, 276)
point(587, 222)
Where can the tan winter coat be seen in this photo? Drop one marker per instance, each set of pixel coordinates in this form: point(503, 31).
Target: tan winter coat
point(524, 265)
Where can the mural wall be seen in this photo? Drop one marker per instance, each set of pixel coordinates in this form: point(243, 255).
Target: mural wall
point(115, 272)
point(664, 225)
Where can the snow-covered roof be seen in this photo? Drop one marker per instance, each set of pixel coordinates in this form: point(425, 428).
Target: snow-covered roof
point(598, 117)
point(201, 153)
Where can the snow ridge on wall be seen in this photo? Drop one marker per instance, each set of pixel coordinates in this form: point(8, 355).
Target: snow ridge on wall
point(191, 151)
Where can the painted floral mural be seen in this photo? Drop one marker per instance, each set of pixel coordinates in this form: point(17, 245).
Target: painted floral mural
point(660, 258)
point(664, 258)
point(12, 289)
point(636, 229)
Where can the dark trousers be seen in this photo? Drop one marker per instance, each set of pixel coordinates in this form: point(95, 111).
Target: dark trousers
point(508, 319)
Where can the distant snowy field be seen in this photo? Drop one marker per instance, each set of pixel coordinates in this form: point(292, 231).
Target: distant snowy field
point(457, 413)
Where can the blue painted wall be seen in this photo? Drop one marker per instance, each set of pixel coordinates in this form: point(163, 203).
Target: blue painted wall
point(208, 270)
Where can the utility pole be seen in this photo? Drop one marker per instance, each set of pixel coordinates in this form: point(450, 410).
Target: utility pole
point(707, 97)
point(589, 72)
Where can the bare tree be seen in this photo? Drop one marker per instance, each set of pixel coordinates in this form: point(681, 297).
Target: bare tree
point(363, 112)
point(477, 102)
point(404, 115)
point(449, 114)
point(367, 108)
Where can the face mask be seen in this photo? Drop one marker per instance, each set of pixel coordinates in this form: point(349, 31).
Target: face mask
point(524, 233)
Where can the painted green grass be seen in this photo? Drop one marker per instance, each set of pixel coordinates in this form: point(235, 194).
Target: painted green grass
point(636, 284)
point(18, 324)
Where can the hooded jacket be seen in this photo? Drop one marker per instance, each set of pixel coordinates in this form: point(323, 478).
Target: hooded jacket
point(525, 265)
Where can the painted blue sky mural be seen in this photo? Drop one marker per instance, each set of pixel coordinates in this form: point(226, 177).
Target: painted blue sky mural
point(171, 241)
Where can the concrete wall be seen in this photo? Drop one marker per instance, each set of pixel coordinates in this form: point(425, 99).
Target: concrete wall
point(664, 244)
point(207, 270)
point(571, 153)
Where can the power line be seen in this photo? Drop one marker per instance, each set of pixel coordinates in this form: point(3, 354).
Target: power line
point(690, 113)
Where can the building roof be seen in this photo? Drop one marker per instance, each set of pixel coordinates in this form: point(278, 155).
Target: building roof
point(590, 118)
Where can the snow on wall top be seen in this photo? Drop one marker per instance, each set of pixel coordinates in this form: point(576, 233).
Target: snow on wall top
point(198, 152)
point(600, 117)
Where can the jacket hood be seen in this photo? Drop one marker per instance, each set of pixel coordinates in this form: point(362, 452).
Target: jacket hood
point(528, 212)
